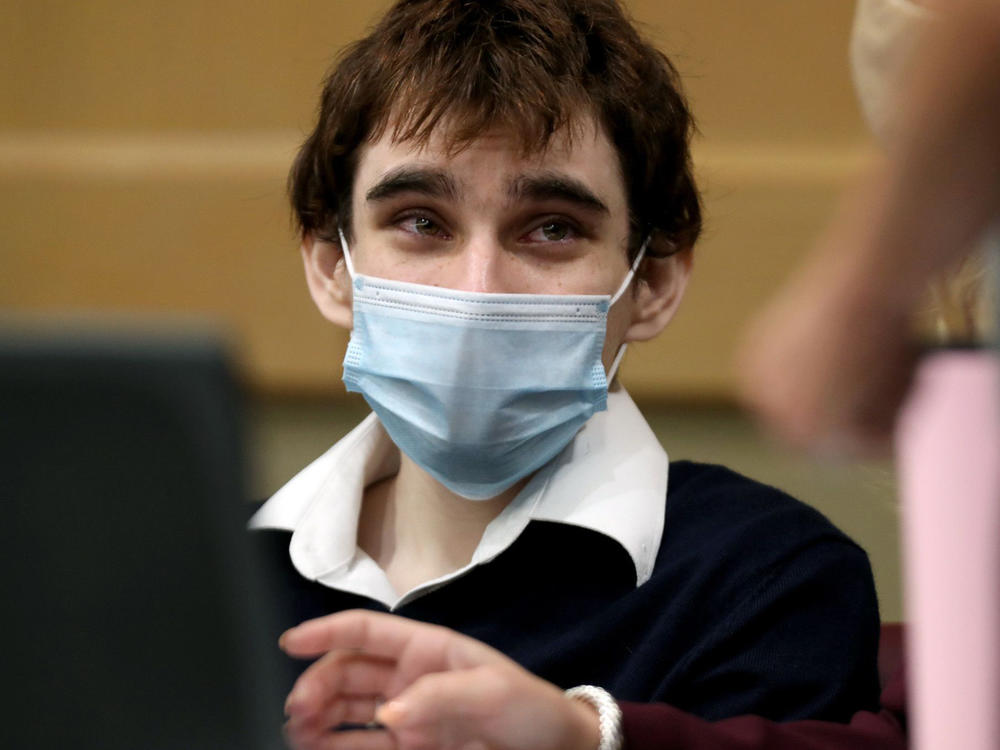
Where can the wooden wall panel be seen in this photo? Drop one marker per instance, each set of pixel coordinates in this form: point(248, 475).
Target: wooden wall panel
point(143, 148)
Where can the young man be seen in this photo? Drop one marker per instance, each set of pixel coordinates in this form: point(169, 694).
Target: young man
point(496, 199)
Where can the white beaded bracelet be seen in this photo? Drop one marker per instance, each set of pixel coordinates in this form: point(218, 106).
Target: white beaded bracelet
point(609, 714)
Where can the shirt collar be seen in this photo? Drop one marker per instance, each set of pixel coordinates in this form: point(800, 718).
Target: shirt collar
point(611, 478)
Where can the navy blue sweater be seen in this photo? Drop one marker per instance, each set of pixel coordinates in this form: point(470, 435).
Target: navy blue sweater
point(756, 604)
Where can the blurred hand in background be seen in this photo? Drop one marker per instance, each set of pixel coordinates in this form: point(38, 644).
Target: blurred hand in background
point(827, 363)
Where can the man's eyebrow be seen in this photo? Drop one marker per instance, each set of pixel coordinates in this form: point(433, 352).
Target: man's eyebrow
point(555, 187)
point(431, 182)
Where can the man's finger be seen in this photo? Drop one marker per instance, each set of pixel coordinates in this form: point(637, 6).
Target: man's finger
point(372, 632)
point(335, 676)
point(300, 739)
point(382, 635)
point(449, 700)
point(356, 712)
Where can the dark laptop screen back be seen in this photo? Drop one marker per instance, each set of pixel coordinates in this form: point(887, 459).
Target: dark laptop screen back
point(133, 614)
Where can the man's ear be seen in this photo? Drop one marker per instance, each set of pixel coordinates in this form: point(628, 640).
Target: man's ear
point(659, 292)
point(328, 280)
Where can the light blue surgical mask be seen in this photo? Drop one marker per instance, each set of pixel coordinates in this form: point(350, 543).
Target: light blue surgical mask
point(479, 389)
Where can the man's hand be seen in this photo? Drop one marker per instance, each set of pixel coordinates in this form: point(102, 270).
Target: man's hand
point(441, 690)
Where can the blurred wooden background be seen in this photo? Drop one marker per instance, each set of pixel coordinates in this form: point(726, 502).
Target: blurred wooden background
point(144, 146)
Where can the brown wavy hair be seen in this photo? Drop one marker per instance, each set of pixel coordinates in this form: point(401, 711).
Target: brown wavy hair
point(526, 67)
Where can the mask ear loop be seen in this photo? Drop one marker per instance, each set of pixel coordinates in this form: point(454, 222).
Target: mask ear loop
point(346, 253)
point(631, 271)
point(613, 370)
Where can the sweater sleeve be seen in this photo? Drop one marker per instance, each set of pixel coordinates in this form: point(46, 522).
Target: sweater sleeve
point(799, 641)
point(780, 612)
point(658, 726)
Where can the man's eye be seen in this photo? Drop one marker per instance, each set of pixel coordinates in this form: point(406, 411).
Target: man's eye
point(555, 231)
point(551, 231)
point(422, 225)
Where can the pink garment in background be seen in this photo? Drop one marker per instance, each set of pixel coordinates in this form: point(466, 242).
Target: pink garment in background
point(948, 445)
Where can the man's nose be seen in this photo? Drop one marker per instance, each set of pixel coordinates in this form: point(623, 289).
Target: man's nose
point(481, 265)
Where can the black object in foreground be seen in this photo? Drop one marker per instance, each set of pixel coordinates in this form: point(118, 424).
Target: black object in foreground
point(133, 613)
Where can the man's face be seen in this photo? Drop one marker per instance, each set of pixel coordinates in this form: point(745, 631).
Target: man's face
point(489, 219)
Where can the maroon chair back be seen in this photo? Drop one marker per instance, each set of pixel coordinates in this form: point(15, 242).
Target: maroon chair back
point(890, 650)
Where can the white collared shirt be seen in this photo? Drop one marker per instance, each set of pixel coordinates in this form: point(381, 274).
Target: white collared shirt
point(611, 478)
